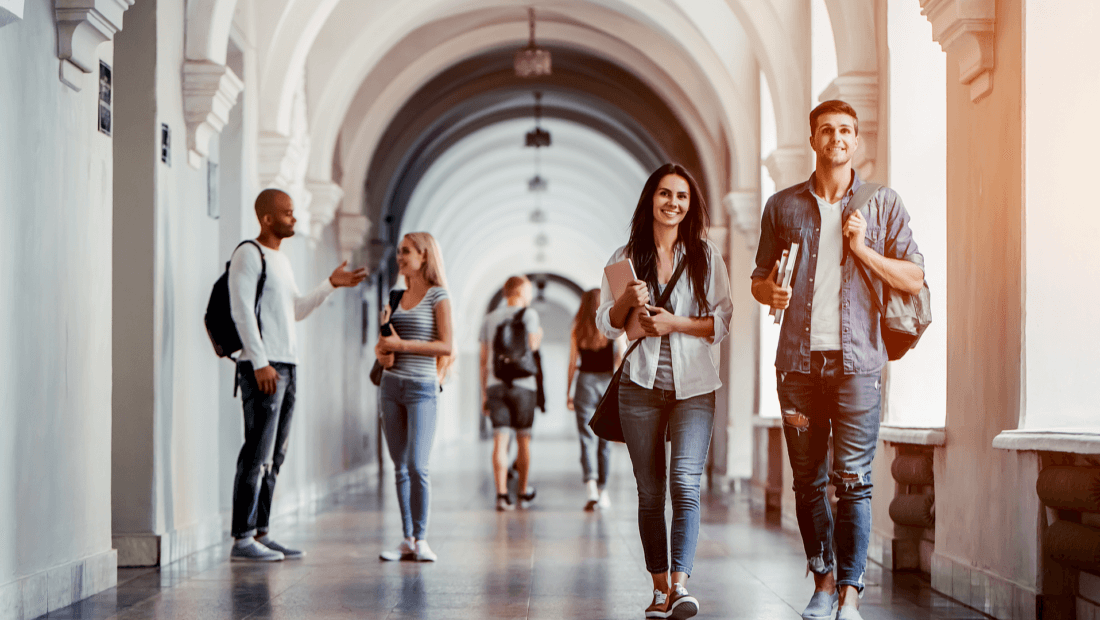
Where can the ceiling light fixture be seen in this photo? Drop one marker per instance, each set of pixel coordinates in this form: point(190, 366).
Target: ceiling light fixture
point(532, 61)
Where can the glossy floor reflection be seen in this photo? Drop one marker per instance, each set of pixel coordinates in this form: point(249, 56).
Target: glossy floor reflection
point(552, 561)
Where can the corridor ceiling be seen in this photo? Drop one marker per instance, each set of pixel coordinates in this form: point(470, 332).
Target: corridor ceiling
point(412, 110)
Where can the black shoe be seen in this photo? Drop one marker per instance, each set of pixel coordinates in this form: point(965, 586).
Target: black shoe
point(504, 503)
point(525, 499)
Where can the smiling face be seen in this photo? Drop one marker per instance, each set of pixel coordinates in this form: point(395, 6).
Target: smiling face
point(671, 201)
point(409, 259)
point(834, 140)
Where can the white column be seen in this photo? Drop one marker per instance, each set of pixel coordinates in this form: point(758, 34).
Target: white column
point(965, 28)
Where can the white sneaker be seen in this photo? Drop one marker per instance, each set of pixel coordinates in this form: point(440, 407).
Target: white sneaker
point(593, 496)
point(605, 500)
point(405, 551)
point(424, 552)
point(253, 551)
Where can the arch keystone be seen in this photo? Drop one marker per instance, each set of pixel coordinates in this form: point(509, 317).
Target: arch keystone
point(964, 29)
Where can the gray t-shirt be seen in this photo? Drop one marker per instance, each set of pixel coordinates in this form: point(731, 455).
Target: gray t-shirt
point(489, 331)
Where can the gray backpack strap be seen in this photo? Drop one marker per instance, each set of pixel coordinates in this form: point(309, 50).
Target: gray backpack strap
point(861, 199)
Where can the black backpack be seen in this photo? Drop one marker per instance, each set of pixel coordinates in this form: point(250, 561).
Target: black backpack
point(219, 318)
point(512, 354)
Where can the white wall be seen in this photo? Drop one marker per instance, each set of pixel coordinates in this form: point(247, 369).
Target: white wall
point(918, 171)
point(55, 319)
point(1062, 221)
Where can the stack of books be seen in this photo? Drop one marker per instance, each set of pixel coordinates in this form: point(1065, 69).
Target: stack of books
point(784, 275)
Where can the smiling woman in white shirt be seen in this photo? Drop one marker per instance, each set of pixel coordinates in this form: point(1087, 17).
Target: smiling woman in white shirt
point(669, 380)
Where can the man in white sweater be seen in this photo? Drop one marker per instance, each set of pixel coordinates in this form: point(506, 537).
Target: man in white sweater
point(266, 369)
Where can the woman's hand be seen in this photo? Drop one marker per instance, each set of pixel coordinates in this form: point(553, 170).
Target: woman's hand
point(384, 358)
point(636, 295)
point(391, 343)
point(569, 403)
point(658, 321)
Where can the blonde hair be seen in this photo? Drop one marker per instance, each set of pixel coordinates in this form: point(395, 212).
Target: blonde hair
point(435, 275)
point(584, 331)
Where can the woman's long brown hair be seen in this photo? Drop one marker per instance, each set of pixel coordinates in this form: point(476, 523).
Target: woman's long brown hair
point(585, 333)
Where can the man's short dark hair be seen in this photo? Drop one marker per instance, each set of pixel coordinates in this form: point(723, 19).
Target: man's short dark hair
point(832, 106)
point(268, 200)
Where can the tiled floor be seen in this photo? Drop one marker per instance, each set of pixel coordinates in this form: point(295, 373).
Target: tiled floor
point(553, 561)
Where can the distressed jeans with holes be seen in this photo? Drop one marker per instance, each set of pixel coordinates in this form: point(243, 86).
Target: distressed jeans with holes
point(816, 405)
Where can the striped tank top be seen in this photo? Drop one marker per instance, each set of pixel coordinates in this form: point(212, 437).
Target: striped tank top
point(417, 323)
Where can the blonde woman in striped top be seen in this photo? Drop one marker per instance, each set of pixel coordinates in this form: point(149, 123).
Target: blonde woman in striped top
point(416, 357)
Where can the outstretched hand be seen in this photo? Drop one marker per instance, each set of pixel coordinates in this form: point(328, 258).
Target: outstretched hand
point(342, 277)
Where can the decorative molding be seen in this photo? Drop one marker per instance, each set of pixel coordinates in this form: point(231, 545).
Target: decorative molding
point(860, 90)
point(54, 589)
point(278, 159)
point(965, 29)
point(10, 11)
point(351, 233)
point(790, 165)
point(327, 197)
point(719, 236)
point(912, 436)
point(1069, 440)
point(82, 25)
point(210, 91)
point(743, 209)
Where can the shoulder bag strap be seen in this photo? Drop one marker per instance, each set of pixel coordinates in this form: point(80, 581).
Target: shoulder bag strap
point(861, 199)
point(259, 283)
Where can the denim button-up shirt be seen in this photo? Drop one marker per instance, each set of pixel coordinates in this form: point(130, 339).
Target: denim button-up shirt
point(792, 216)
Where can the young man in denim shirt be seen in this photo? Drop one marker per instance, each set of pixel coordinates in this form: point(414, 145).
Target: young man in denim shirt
point(830, 355)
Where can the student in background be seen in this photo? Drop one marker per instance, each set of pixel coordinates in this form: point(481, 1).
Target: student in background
point(593, 358)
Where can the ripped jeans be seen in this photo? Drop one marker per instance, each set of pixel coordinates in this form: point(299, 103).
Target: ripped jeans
point(813, 404)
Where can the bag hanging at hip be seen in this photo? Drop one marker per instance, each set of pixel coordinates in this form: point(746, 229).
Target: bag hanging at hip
point(605, 422)
point(376, 370)
point(902, 317)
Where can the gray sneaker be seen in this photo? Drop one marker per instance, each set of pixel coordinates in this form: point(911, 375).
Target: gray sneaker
point(821, 606)
point(848, 613)
point(290, 554)
point(254, 552)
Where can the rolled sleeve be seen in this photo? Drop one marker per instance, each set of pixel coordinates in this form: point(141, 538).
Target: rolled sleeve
point(718, 295)
point(899, 238)
point(768, 250)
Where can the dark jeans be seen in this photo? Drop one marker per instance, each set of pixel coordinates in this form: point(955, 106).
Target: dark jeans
point(644, 415)
point(266, 438)
point(815, 405)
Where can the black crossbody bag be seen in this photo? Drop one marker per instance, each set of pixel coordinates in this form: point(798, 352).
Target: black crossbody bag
point(605, 420)
point(376, 370)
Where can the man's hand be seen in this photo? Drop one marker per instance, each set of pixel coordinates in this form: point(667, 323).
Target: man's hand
point(569, 403)
point(267, 378)
point(657, 321)
point(768, 291)
point(343, 277)
point(855, 229)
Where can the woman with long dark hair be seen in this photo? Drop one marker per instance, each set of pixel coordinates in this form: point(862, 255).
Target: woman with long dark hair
point(416, 356)
point(669, 380)
point(593, 358)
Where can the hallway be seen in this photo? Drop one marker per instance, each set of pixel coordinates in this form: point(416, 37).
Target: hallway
point(553, 561)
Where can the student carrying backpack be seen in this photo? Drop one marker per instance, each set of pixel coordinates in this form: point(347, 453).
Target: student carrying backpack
point(512, 355)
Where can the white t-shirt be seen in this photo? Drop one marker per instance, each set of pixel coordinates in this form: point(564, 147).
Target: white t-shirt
point(280, 305)
point(825, 314)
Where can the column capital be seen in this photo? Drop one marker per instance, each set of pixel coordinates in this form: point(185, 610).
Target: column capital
point(351, 232)
point(965, 29)
point(789, 165)
point(743, 208)
point(861, 91)
point(327, 197)
point(210, 91)
point(81, 26)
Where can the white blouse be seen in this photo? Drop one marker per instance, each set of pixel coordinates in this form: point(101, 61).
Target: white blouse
point(695, 360)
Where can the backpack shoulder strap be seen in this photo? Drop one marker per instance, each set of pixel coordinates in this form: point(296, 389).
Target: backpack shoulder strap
point(861, 199)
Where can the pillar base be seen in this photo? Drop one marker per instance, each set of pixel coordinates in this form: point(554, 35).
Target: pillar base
point(50, 590)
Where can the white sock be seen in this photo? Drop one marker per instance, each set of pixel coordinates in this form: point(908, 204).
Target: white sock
point(264, 538)
point(242, 542)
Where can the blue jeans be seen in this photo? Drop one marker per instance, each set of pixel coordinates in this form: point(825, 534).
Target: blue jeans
point(814, 405)
point(408, 421)
point(266, 438)
point(644, 415)
point(595, 452)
